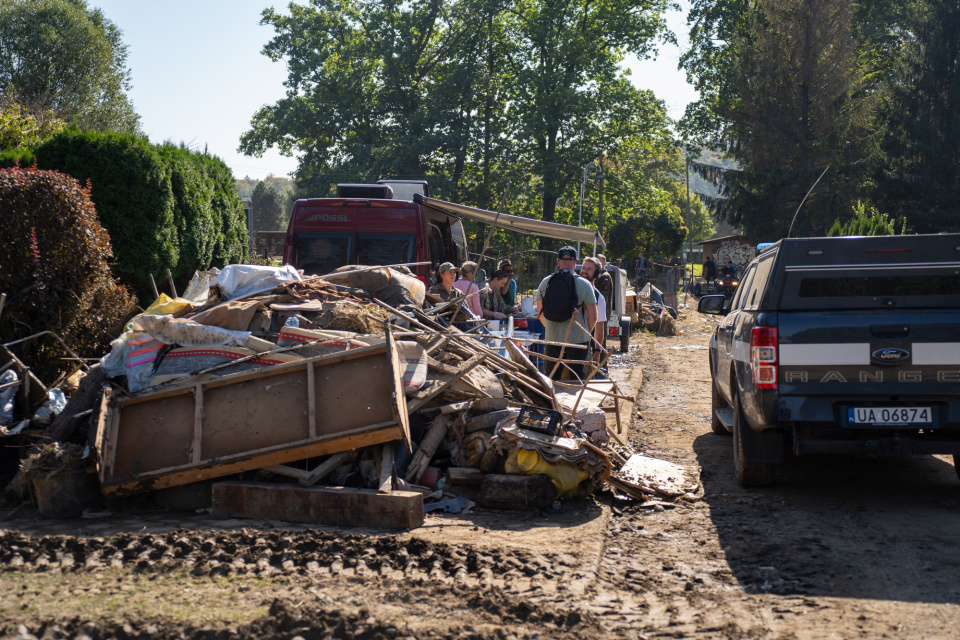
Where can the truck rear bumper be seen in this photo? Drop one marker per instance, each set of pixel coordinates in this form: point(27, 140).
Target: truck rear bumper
point(883, 446)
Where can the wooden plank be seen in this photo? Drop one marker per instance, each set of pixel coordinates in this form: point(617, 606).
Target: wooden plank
point(286, 470)
point(255, 374)
point(387, 452)
point(209, 470)
point(311, 400)
point(318, 505)
point(397, 392)
point(465, 368)
point(251, 421)
point(197, 423)
point(325, 468)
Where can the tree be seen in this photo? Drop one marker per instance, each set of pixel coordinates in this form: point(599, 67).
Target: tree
point(19, 128)
point(920, 176)
point(60, 56)
point(801, 104)
point(268, 209)
point(472, 93)
point(867, 221)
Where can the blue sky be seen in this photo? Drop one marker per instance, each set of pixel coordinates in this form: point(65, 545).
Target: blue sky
point(199, 76)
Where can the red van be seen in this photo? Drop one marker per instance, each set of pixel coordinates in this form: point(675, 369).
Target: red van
point(365, 225)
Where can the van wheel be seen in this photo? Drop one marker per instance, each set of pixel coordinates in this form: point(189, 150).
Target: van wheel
point(749, 474)
point(717, 402)
point(624, 336)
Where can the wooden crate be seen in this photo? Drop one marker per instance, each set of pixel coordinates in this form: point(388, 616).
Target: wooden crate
point(251, 420)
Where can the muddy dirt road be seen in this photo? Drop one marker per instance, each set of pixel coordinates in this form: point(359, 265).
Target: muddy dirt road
point(839, 548)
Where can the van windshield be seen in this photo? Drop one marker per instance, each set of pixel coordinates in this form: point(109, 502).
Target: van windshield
point(385, 248)
point(319, 253)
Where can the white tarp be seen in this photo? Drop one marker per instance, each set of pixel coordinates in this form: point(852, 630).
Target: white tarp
point(528, 226)
point(238, 280)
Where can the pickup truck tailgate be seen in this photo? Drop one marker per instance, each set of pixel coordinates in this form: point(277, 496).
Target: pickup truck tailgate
point(837, 359)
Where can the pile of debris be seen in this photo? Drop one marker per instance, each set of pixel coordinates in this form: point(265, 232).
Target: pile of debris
point(654, 315)
point(347, 398)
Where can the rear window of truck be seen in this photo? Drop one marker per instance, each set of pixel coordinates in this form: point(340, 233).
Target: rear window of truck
point(871, 287)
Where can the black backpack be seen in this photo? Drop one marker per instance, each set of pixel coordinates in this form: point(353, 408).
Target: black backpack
point(560, 299)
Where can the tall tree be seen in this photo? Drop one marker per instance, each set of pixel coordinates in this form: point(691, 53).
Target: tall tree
point(472, 93)
point(62, 57)
point(268, 209)
point(801, 104)
point(920, 178)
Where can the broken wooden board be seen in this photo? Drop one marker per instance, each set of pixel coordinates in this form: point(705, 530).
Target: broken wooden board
point(655, 476)
point(318, 505)
point(244, 421)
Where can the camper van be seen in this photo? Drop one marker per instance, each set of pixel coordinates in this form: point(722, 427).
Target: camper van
point(368, 224)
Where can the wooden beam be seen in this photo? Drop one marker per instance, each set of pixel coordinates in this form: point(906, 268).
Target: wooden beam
point(197, 423)
point(325, 468)
point(311, 401)
point(338, 506)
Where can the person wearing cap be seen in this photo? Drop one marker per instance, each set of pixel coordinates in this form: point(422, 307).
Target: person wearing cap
point(603, 282)
point(445, 289)
point(509, 290)
point(466, 286)
point(491, 300)
point(579, 330)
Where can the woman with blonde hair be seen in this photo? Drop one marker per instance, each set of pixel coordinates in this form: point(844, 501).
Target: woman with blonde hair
point(466, 286)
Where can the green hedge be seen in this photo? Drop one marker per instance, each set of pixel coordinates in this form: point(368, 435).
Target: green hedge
point(165, 207)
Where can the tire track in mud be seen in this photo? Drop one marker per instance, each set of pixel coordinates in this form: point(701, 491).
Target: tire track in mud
point(254, 552)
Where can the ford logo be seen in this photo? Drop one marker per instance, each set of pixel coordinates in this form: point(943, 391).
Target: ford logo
point(890, 355)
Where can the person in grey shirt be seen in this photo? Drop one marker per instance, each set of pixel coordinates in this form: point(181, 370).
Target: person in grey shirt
point(579, 329)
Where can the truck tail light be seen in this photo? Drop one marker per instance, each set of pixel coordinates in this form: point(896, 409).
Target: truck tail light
point(763, 357)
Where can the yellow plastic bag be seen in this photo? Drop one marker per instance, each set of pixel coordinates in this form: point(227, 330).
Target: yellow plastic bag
point(564, 476)
point(166, 306)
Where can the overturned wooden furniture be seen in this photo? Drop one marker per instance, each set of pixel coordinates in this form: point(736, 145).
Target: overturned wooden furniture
point(250, 420)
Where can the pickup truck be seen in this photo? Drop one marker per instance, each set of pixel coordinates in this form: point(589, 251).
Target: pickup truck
point(839, 346)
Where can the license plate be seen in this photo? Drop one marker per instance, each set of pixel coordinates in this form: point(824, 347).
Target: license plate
point(884, 416)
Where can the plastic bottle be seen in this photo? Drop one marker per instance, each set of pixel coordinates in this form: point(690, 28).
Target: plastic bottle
point(292, 321)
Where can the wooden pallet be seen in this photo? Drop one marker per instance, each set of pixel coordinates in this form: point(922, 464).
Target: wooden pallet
point(250, 420)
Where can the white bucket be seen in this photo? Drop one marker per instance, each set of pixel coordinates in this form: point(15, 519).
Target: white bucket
point(527, 306)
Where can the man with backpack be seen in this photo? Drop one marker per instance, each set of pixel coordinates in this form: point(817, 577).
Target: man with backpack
point(567, 306)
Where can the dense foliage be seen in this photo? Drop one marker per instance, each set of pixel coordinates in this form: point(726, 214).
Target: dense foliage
point(60, 56)
point(20, 128)
point(55, 269)
point(166, 207)
point(268, 213)
point(868, 91)
point(867, 221)
point(497, 106)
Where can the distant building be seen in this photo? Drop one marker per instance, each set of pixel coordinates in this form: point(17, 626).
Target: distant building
point(729, 250)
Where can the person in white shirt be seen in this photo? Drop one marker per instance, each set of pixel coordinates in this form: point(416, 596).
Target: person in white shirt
point(589, 271)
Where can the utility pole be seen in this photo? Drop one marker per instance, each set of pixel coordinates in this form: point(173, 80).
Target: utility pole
point(600, 209)
point(689, 233)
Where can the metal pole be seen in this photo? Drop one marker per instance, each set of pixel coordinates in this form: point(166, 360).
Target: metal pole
point(583, 186)
point(580, 215)
point(600, 209)
point(689, 235)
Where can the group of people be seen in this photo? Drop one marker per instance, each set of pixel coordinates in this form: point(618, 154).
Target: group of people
point(495, 301)
point(572, 307)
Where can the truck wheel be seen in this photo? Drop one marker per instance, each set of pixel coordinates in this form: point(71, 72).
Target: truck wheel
point(624, 336)
point(749, 474)
point(717, 402)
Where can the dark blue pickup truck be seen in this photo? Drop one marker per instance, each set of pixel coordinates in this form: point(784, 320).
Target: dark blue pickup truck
point(839, 345)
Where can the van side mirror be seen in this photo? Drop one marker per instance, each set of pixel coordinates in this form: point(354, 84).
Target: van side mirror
point(712, 305)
